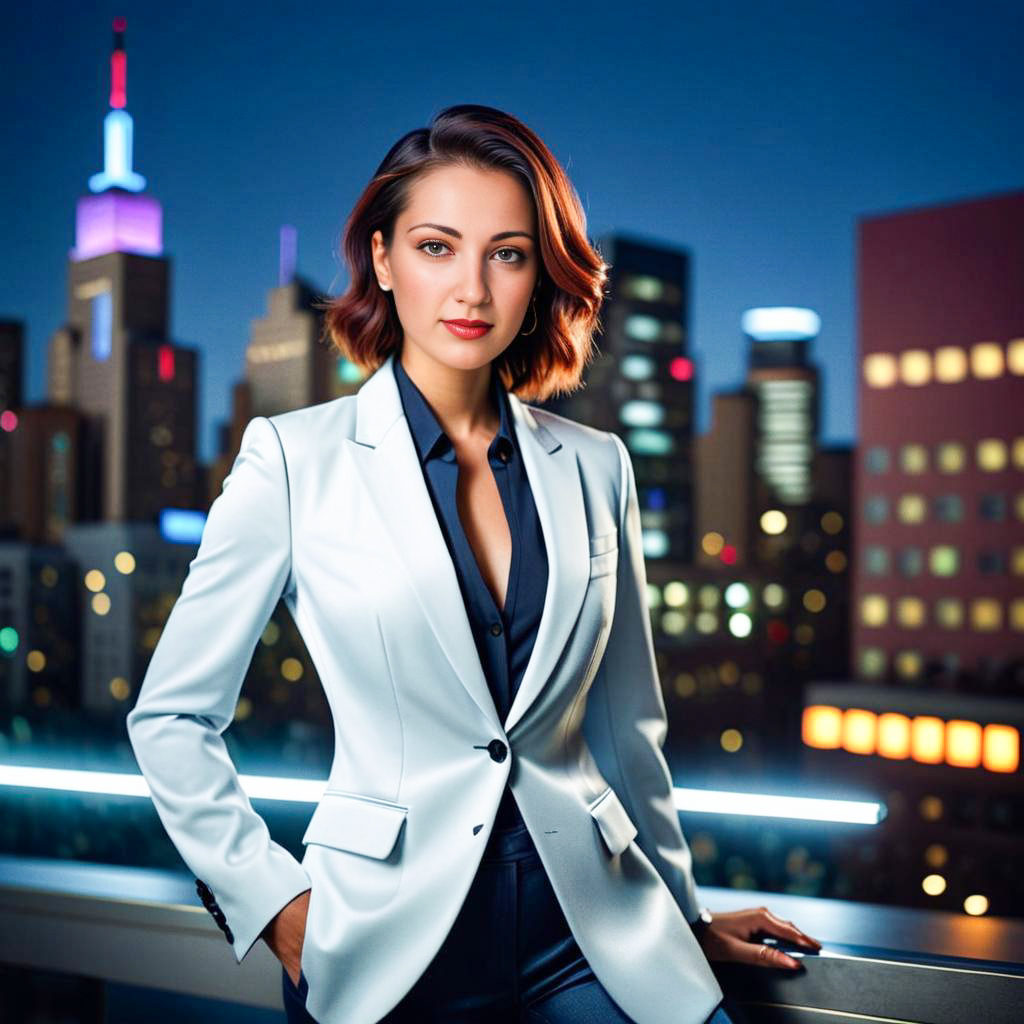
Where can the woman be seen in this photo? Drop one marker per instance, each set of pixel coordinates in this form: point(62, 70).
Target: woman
point(498, 838)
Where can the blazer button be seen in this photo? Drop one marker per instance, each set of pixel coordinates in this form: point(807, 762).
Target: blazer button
point(496, 629)
point(497, 750)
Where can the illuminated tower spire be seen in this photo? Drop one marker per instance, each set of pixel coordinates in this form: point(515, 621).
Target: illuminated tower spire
point(115, 216)
point(117, 126)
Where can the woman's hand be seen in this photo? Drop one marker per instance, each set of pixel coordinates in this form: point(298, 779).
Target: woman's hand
point(728, 938)
point(286, 932)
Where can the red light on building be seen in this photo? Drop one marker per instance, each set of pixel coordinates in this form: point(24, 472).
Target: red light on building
point(165, 362)
point(728, 554)
point(681, 368)
point(778, 631)
point(8, 420)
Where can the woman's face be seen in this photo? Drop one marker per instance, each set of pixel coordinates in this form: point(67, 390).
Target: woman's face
point(464, 249)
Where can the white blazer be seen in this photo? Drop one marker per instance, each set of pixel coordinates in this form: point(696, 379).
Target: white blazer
point(327, 507)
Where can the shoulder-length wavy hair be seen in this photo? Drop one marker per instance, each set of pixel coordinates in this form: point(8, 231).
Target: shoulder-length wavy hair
point(363, 323)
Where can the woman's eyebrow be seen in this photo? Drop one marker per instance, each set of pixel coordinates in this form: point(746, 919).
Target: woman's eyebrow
point(458, 234)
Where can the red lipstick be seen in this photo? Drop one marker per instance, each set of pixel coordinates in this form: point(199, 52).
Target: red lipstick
point(468, 329)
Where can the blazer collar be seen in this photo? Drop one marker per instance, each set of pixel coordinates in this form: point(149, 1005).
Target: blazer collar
point(389, 463)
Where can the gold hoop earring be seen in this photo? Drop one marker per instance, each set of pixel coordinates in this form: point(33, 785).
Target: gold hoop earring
point(533, 303)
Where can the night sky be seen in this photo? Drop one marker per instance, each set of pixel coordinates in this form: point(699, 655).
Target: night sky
point(752, 134)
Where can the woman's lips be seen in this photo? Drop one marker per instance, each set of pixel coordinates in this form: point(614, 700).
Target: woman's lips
point(465, 332)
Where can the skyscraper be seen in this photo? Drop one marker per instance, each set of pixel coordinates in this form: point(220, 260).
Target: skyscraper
point(939, 482)
point(113, 359)
point(641, 385)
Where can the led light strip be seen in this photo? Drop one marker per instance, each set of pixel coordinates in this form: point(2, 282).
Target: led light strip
point(266, 787)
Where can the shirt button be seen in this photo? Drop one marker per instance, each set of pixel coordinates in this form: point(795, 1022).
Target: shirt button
point(496, 629)
point(503, 454)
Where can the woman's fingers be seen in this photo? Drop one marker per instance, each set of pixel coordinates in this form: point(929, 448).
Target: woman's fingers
point(770, 956)
point(783, 929)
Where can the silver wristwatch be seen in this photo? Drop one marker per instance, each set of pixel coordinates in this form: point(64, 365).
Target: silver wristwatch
point(702, 923)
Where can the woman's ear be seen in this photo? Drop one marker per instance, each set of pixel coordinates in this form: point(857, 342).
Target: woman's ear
point(379, 256)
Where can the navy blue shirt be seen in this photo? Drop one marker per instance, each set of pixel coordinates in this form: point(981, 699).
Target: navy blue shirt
point(504, 636)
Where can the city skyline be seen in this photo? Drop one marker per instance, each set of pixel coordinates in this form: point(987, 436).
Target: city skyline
point(226, 193)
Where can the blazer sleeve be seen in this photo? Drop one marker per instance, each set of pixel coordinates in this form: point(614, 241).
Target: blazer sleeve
point(625, 722)
point(191, 687)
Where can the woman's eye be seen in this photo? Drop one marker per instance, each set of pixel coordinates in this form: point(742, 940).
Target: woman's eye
point(516, 253)
point(425, 244)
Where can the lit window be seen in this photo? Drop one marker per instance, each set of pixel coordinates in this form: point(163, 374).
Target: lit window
point(908, 664)
point(642, 327)
point(774, 521)
point(950, 457)
point(712, 543)
point(1018, 505)
point(1015, 355)
point(876, 508)
point(950, 364)
point(1001, 748)
point(835, 561)
point(872, 662)
point(1018, 453)
point(880, 370)
point(944, 560)
point(914, 458)
point(822, 726)
point(1017, 561)
point(991, 454)
point(876, 560)
point(949, 612)
point(1017, 614)
point(641, 286)
point(893, 735)
point(991, 563)
point(911, 561)
point(986, 614)
point(874, 609)
point(912, 508)
point(915, 366)
point(910, 612)
point(992, 507)
point(832, 522)
point(987, 360)
point(641, 413)
point(859, 730)
point(877, 459)
point(949, 508)
point(636, 367)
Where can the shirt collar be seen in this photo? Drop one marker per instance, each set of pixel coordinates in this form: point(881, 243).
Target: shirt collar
point(425, 429)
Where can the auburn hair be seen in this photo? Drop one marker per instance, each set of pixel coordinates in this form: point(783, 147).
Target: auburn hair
point(362, 323)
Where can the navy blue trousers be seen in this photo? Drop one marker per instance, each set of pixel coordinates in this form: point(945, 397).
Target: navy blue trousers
point(509, 958)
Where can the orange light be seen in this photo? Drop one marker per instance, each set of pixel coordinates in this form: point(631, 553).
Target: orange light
point(859, 731)
point(894, 735)
point(1001, 748)
point(927, 738)
point(963, 743)
point(822, 726)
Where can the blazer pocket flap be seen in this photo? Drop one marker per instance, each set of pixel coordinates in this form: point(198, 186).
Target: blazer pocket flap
point(615, 825)
point(358, 824)
point(603, 542)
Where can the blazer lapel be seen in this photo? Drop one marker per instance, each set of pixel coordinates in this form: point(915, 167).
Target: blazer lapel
point(554, 474)
point(389, 465)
